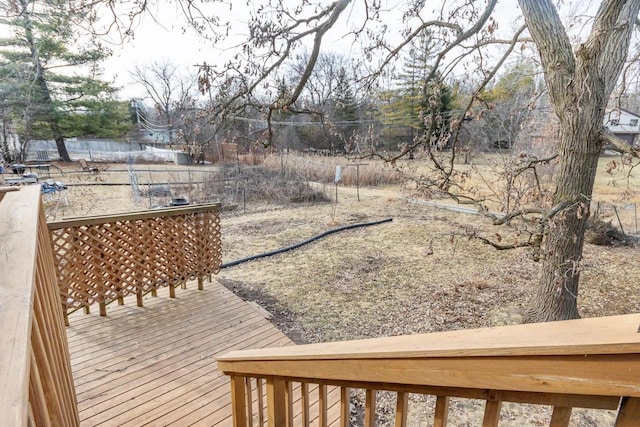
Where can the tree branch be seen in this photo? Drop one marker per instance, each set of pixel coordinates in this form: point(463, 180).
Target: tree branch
point(554, 46)
point(620, 145)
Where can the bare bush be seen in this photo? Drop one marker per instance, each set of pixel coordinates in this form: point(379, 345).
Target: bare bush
point(258, 184)
point(319, 169)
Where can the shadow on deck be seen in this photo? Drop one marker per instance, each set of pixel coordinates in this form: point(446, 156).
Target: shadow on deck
point(156, 365)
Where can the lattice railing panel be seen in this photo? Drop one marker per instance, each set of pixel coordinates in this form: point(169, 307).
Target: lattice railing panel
point(100, 259)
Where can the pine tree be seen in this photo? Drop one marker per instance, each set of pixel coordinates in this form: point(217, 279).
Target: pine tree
point(415, 104)
point(55, 75)
point(345, 106)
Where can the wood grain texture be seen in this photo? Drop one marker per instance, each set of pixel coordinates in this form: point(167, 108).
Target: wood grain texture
point(603, 335)
point(18, 239)
point(238, 400)
point(441, 412)
point(607, 375)
point(36, 385)
point(276, 403)
point(491, 413)
point(402, 409)
point(629, 412)
point(130, 369)
point(560, 416)
point(345, 401)
point(370, 408)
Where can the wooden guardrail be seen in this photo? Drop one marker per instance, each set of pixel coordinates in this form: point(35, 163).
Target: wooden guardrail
point(36, 386)
point(588, 363)
point(105, 258)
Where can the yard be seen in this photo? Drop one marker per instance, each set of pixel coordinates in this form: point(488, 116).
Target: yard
point(415, 274)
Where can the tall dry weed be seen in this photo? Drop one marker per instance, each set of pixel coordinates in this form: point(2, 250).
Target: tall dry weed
point(370, 172)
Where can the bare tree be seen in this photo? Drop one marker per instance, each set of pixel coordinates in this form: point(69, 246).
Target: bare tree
point(580, 80)
point(171, 91)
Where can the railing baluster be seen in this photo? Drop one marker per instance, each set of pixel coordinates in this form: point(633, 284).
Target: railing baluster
point(249, 397)
point(492, 413)
point(344, 406)
point(370, 408)
point(288, 391)
point(402, 406)
point(139, 299)
point(442, 411)
point(260, 401)
point(560, 417)
point(238, 401)
point(629, 412)
point(322, 405)
point(276, 402)
point(304, 402)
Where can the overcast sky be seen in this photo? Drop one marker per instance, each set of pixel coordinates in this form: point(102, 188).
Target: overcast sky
point(168, 40)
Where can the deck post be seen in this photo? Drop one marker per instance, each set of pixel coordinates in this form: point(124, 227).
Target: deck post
point(344, 407)
point(442, 411)
point(139, 300)
point(560, 417)
point(103, 308)
point(276, 402)
point(304, 402)
point(402, 406)
point(322, 405)
point(492, 413)
point(238, 401)
point(628, 412)
point(369, 410)
point(200, 284)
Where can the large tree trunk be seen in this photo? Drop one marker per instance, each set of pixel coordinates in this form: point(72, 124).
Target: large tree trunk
point(557, 292)
point(579, 87)
point(62, 149)
point(41, 82)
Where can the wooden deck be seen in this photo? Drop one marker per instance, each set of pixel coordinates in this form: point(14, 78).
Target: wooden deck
point(156, 365)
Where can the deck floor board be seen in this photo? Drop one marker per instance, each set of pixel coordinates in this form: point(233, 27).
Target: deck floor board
point(155, 365)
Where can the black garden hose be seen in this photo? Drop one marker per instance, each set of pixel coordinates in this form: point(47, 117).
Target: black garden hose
point(297, 245)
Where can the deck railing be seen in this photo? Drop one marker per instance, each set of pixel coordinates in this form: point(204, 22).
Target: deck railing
point(588, 363)
point(36, 386)
point(105, 258)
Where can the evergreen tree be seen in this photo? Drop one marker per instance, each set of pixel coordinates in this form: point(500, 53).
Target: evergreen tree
point(55, 76)
point(416, 105)
point(346, 107)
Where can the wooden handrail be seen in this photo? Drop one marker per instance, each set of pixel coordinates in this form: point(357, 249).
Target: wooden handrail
point(592, 363)
point(134, 216)
point(36, 386)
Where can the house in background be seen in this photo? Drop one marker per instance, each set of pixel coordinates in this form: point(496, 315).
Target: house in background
point(623, 124)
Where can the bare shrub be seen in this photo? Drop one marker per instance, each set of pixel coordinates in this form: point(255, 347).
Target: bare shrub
point(258, 184)
point(603, 233)
point(323, 169)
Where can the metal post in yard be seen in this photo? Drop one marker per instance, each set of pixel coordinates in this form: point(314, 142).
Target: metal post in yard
point(358, 180)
